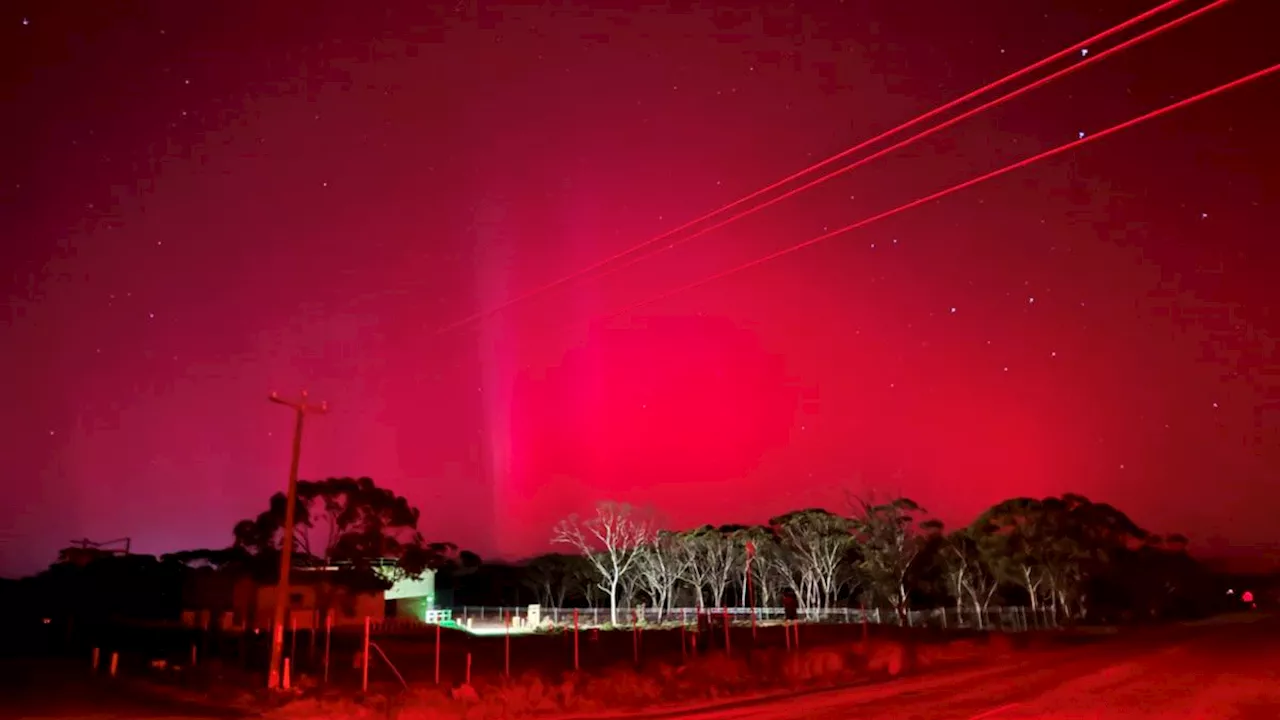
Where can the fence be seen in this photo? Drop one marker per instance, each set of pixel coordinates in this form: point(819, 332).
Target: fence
point(1006, 619)
point(406, 652)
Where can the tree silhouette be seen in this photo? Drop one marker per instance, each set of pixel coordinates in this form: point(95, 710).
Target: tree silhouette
point(367, 533)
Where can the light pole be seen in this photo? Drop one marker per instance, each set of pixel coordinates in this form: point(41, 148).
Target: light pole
point(301, 409)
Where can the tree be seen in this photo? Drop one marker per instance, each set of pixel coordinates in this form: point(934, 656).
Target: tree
point(660, 566)
point(969, 576)
point(1160, 579)
point(1084, 544)
point(756, 544)
point(891, 538)
point(585, 579)
point(813, 544)
point(717, 555)
point(697, 572)
point(1014, 535)
point(612, 540)
point(368, 533)
point(549, 576)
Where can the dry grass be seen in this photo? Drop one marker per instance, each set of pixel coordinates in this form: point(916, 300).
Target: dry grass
point(707, 678)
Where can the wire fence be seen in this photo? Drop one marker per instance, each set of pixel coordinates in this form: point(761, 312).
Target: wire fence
point(1005, 619)
point(512, 641)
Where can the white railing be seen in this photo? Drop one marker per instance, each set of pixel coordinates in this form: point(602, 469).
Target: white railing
point(434, 617)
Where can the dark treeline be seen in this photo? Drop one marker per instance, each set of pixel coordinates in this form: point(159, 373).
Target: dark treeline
point(1065, 556)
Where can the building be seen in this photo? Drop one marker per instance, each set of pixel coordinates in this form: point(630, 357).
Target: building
point(247, 603)
point(412, 598)
point(311, 597)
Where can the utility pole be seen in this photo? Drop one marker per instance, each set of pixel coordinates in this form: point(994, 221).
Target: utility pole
point(301, 409)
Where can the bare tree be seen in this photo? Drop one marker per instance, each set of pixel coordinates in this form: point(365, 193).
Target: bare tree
point(612, 540)
point(723, 555)
point(661, 565)
point(697, 571)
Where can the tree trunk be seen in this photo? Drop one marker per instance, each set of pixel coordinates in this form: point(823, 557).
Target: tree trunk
point(613, 600)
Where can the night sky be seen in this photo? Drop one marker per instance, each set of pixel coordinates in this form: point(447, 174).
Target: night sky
point(204, 202)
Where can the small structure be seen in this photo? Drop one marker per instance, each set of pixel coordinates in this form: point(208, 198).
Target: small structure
point(412, 598)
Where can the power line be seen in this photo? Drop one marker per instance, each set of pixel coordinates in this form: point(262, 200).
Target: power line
point(1018, 74)
point(1216, 90)
point(831, 175)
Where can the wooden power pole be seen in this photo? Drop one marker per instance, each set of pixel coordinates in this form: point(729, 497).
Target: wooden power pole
point(301, 409)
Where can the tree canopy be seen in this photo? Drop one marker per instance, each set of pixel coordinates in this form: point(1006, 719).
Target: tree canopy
point(351, 524)
point(1067, 557)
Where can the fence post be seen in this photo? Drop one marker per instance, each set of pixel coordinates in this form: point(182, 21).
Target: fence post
point(437, 651)
point(575, 639)
point(328, 634)
point(724, 620)
point(468, 676)
point(684, 631)
point(506, 646)
point(635, 638)
point(96, 654)
point(364, 679)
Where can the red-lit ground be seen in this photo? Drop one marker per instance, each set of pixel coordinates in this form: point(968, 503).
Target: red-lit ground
point(1214, 671)
point(48, 688)
point(1219, 670)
